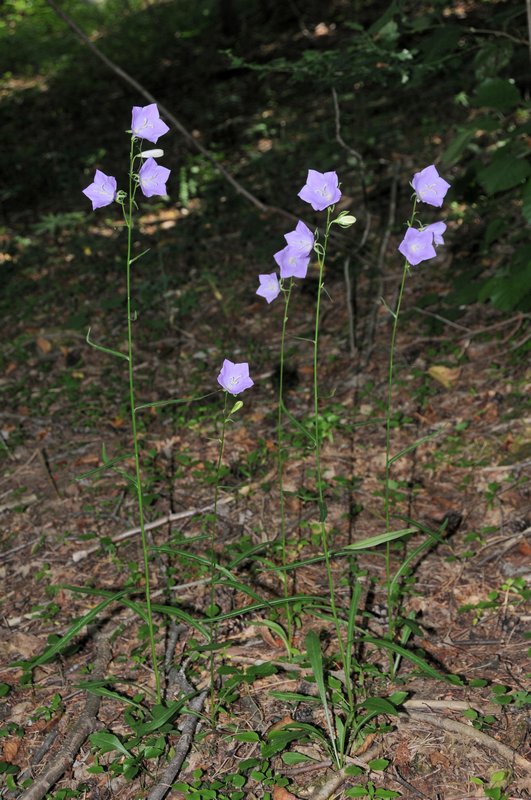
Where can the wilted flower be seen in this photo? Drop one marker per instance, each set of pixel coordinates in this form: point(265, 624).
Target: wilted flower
point(269, 286)
point(417, 246)
point(320, 190)
point(102, 191)
point(429, 186)
point(152, 178)
point(291, 263)
point(234, 378)
point(147, 124)
point(437, 229)
point(301, 239)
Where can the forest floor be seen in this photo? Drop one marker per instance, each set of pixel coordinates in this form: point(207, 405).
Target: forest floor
point(464, 383)
point(68, 532)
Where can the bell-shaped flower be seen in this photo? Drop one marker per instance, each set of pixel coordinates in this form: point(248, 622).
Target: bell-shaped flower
point(147, 124)
point(234, 378)
point(320, 190)
point(152, 178)
point(102, 191)
point(437, 229)
point(417, 246)
point(429, 186)
point(291, 263)
point(269, 286)
point(301, 239)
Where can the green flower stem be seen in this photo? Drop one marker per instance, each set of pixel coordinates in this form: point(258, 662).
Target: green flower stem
point(213, 538)
point(280, 463)
point(321, 257)
point(387, 487)
point(129, 222)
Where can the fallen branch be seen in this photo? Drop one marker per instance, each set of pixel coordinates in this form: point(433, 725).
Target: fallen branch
point(79, 555)
point(181, 750)
point(462, 729)
point(79, 730)
point(149, 526)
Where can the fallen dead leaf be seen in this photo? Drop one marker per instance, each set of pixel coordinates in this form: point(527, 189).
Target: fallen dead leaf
point(439, 758)
point(446, 376)
point(43, 344)
point(282, 794)
point(10, 748)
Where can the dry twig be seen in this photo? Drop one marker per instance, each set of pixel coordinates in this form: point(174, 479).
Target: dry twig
point(181, 750)
point(79, 555)
point(483, 739)
point(79, 730)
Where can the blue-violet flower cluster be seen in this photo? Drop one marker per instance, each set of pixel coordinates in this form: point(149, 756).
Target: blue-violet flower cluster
point(419, 245)
point(145, 124)
point(321, 190)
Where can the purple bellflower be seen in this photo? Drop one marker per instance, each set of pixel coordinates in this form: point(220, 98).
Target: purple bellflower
point(269, 286)
point(102, 191)
point(301, 239)
point(417, 246)
point(437, 229)
point(320, 190)
point(152, 178)
point(147, 124)
point(429, 186)
point(234, 378)
point(292, 264)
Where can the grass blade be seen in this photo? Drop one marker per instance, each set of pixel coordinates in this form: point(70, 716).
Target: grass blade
point(315, 656)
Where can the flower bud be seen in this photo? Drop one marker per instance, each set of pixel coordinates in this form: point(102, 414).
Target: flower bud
point(345, 219)
point(156, 153)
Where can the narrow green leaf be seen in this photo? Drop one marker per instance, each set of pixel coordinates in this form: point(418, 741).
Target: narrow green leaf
point(408, 655)
point(106, 742)
point(295, 697)
point(107, 350)
point(163, 716)
point(415, 444)
point(313, 649)
point(379, 704)
point(95, 687)
point(276, 628)
point(246, 736)
point(381, 538)
point(74, 629)
point(108, 464)
point(179, 402)
point(296, 758)
point(173, 611)
point(143, 253)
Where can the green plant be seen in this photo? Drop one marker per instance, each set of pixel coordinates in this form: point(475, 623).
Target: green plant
point(497, 783)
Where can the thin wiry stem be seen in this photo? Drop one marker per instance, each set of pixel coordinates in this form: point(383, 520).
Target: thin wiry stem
point(280, 464)
point(387, 486)
point(138, 479)
point(319, 478)
point(213, 537)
